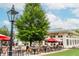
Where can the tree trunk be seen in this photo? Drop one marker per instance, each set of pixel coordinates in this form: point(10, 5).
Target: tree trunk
point(30, 42)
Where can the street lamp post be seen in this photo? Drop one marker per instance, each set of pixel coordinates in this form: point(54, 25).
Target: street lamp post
point(11, 16)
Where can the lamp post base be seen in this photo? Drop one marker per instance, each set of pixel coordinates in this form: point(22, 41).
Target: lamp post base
point(10, 54)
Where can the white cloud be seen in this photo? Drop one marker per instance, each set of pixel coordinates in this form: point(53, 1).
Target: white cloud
point(76, 12)
point(55, 6)
point(62, 5)
point(74, 23)
point(73, 6)
point(57, 23)
point(6, 22)
point(70, 23)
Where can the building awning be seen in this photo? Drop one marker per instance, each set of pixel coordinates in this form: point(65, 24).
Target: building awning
point(4, 37)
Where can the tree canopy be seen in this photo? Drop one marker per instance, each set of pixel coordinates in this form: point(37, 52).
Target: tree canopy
point(32, 24)
point(4, 30)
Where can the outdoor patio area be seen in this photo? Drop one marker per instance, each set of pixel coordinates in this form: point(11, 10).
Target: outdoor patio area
point(33, 50)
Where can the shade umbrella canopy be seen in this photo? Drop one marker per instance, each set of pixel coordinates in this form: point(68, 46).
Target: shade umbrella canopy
point(4, 37)
point(59, 40)
point(53, 40)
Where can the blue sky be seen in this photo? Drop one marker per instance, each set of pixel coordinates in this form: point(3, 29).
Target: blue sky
point(60, 15)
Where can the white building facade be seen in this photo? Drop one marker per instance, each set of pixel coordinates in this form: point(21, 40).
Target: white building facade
point(69, 39)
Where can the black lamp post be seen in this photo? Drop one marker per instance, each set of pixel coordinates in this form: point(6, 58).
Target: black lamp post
point(11, 16)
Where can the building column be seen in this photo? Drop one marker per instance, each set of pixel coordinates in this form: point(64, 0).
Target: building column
point(64, 41)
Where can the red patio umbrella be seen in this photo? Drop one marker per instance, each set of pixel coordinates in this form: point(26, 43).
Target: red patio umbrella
point(59, 40)
point(53, 40)
point(4, 37)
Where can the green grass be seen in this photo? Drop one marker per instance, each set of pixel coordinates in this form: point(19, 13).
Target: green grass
point(71, 52)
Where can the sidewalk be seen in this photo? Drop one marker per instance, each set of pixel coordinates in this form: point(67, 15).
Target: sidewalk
point(42, 54)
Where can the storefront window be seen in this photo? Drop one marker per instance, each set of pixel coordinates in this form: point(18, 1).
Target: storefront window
point(70, 42)
point(60, 36)
point(67, 42)
point(52, 36)
point(75, 41)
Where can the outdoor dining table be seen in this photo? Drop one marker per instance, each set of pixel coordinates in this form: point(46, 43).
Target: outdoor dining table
point(19, 50)
point(4, 50)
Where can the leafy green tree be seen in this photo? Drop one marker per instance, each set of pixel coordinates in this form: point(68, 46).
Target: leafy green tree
point(4, 30)
point(32, 24)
